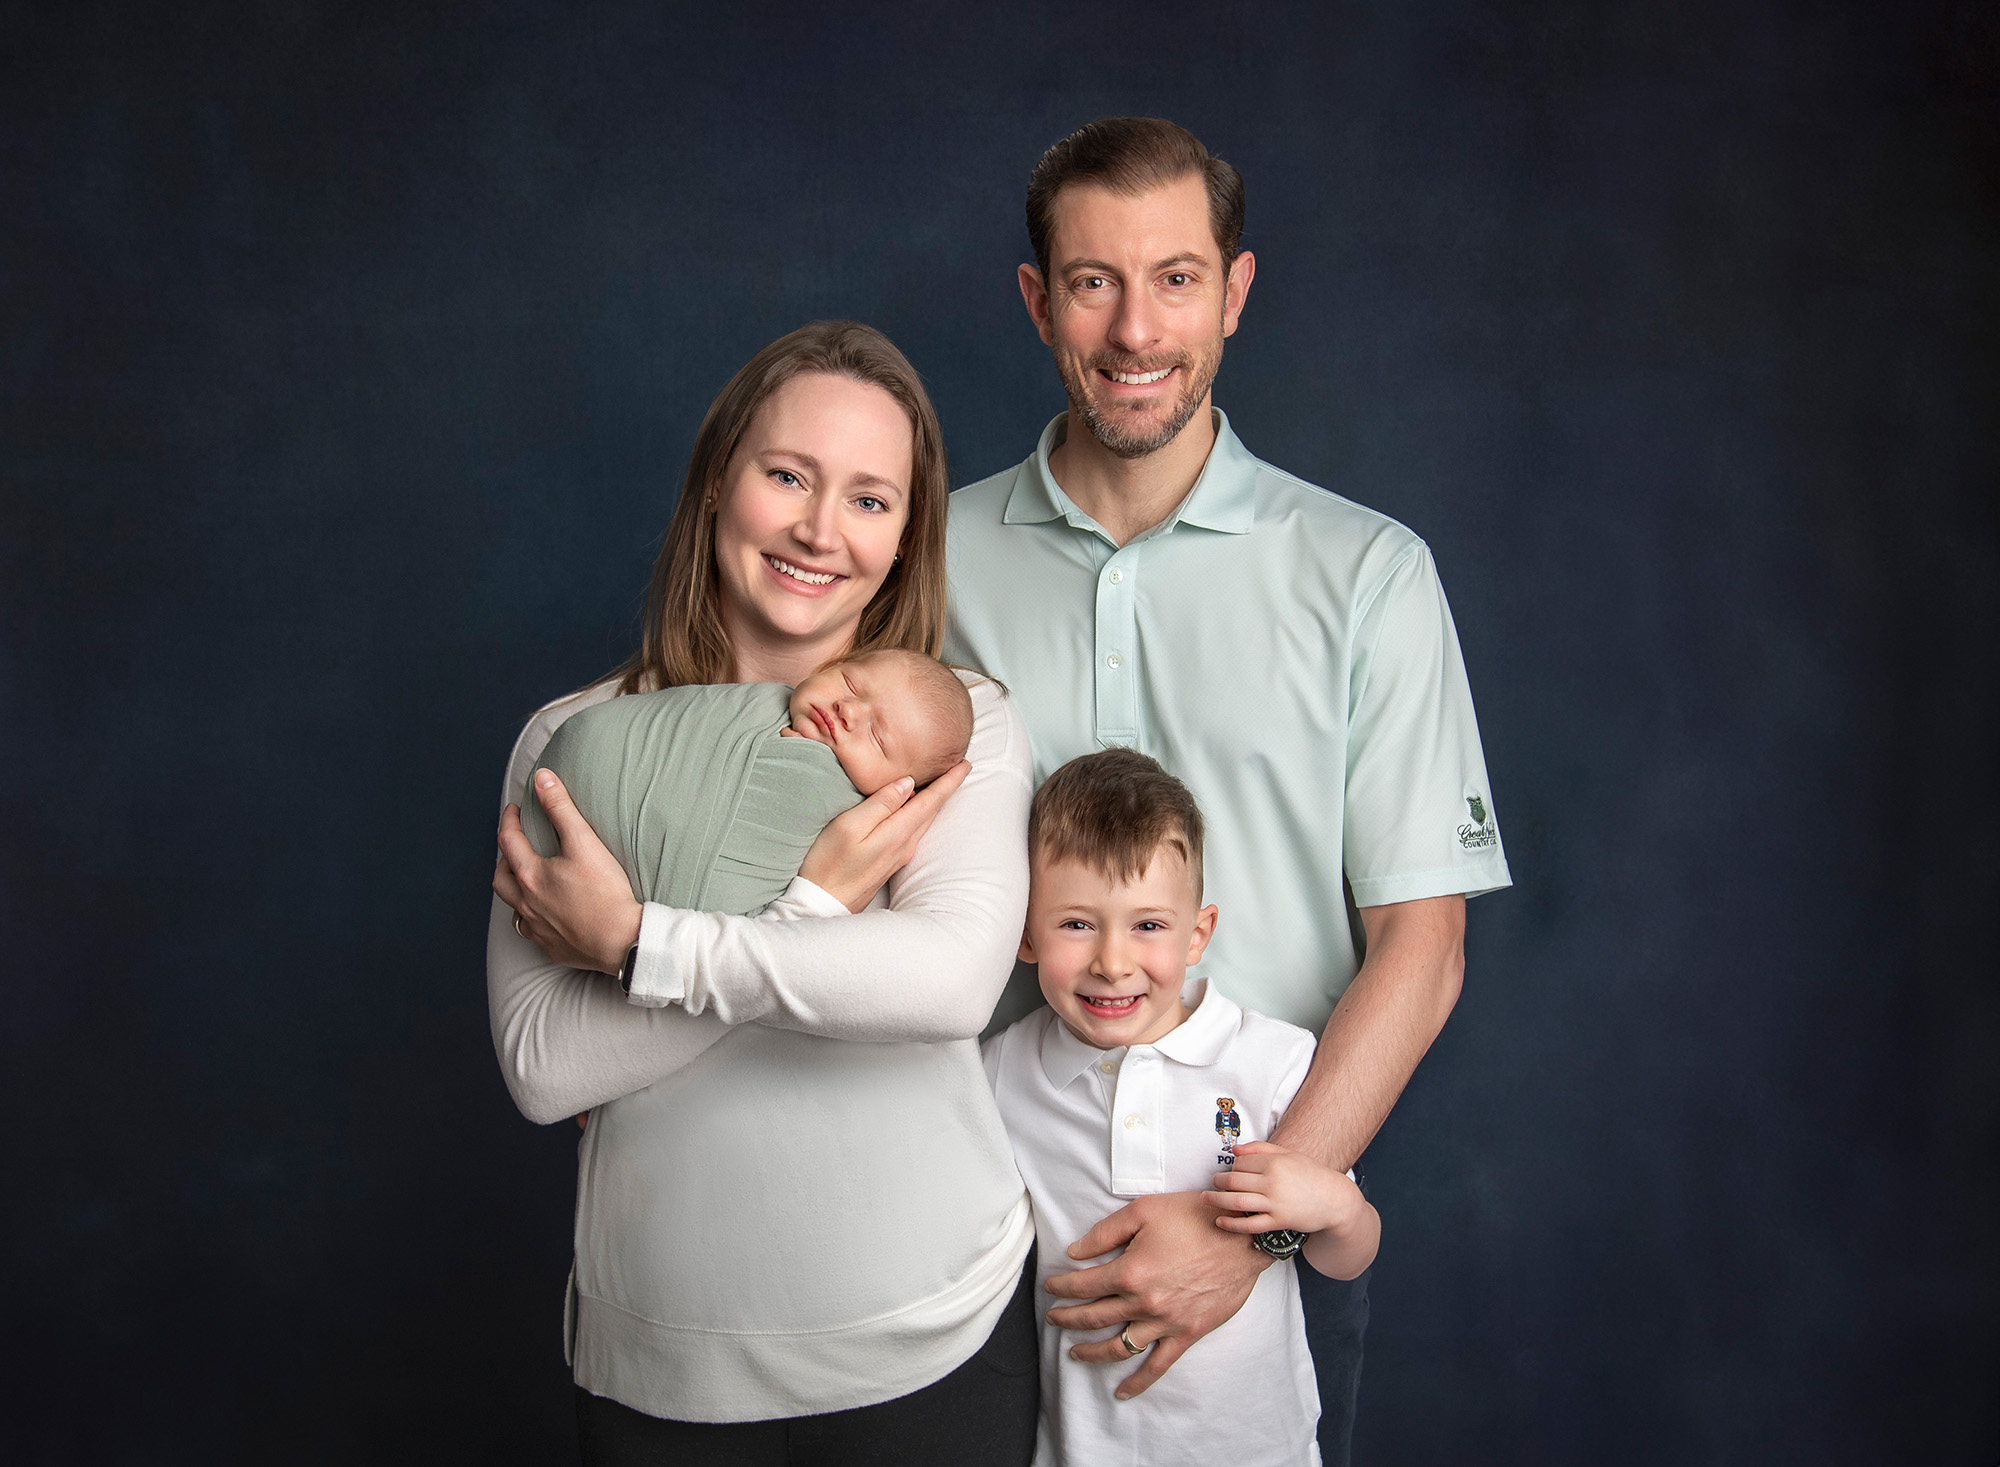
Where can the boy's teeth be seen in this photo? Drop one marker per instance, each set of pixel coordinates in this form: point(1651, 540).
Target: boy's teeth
point(809, 577)
point(1139, 379)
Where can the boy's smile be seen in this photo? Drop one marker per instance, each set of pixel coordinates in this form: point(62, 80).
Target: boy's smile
point(1113, 955)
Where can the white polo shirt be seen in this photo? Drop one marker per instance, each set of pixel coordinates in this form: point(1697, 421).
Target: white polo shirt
point(1093, 1129)
point(1286, 652)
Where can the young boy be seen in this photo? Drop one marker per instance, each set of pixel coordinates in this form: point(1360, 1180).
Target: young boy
point(1133, 1081)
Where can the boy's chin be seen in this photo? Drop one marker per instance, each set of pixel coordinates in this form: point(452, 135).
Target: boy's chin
point(1112, 1031)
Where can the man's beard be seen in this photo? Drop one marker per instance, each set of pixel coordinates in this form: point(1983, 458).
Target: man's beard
point(1197, 375)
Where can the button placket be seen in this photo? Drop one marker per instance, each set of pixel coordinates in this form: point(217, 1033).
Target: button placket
point(1114, 671)
point(1138, 1150)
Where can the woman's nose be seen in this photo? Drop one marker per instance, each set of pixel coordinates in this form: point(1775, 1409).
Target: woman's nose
point(817, 528)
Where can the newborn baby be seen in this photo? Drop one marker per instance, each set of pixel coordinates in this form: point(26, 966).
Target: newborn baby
point(711, 795)
point(885, 715)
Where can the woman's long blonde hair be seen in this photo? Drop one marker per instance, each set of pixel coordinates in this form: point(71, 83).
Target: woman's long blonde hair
point(684, 639)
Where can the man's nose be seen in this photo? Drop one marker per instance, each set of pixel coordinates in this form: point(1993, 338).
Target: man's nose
point(1135, 326)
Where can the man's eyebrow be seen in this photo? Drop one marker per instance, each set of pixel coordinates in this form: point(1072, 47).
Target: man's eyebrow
point(1185, 257)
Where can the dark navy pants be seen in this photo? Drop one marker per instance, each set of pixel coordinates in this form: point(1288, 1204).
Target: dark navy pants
point(1336, 1319)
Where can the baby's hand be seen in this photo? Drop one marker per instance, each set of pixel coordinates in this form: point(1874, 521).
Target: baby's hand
point(1273, 1188)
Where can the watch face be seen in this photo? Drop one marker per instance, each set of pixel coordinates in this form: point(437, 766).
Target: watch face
point(1279, 1242)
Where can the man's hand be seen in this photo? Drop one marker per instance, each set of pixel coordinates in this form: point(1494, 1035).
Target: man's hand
point(1179, 1277)
point(577, 905)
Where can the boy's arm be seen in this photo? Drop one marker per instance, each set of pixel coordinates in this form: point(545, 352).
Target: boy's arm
point(1275, 1188)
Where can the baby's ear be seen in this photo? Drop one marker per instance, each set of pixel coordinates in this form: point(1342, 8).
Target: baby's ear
point(1026, 952)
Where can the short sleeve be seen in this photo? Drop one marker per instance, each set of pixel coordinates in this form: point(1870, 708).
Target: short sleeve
point(1420, 819)
point(1296, 1057)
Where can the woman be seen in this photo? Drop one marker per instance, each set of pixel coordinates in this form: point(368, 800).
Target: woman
point(791, 1245)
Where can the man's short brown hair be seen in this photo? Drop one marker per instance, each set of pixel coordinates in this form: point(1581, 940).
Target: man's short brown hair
point(1114, 811)
point(1130, 155)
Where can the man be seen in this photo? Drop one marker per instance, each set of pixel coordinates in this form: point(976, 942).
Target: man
point(1143, 580)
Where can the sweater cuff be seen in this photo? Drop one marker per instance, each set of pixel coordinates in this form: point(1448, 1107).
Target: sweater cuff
point(803, 899)
point(655, 983)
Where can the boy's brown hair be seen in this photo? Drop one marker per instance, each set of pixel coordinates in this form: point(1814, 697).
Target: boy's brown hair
point(1113, 811)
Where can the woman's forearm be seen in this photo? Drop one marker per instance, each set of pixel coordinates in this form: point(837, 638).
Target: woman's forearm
point(567, 1040)
point(930, 967)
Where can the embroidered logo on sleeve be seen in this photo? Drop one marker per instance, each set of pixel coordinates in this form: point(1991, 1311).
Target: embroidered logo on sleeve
point(1229, 1126)
point(1477, 834)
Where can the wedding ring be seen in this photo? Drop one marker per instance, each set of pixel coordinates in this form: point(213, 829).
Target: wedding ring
point(519, 930)
point(1125, 1339)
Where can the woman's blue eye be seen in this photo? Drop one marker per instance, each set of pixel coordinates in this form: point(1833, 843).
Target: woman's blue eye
point(870, 503)
point(785, 477)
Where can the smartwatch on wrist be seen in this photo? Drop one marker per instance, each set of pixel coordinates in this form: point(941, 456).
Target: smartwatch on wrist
point(625, 968)
point(1279, 1242)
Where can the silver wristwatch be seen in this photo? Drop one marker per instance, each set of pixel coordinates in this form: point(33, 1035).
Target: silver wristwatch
point(625, 968)
point(1279, 1242)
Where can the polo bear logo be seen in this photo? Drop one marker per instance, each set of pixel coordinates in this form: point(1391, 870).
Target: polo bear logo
point(1228, 1125)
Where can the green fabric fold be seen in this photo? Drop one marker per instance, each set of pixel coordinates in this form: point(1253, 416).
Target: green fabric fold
point(695, 790)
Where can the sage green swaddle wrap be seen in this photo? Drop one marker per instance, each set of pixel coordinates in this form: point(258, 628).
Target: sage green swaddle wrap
point(702, 799)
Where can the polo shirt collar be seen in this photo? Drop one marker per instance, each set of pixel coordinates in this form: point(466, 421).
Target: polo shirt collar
point(1224, 498)
point(1198, 1041)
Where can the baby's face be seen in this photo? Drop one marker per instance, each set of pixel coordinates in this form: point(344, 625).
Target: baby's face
point(866, 713)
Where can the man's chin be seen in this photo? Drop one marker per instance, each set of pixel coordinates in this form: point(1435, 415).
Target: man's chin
point(1136, 436)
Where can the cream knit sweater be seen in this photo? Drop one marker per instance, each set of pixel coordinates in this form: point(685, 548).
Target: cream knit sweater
point(795, 1194)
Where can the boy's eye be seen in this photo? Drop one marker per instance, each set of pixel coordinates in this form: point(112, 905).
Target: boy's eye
point(1074, 924)
point(1152, 926)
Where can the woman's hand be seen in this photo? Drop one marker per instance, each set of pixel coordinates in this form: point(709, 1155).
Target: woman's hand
point(861, 849)
point(577, 905)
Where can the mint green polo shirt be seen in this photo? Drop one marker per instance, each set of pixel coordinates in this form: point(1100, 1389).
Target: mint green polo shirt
point(1286, 652)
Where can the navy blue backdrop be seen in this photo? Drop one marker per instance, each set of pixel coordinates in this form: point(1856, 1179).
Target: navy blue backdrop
point(349, 359)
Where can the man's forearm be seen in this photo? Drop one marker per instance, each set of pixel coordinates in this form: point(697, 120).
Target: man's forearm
point(1380, 1028)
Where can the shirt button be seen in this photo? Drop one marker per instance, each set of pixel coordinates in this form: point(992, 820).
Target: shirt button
point(1114, 662)
point(1117, 576)
point(1108, 1067)
point(1130, 1122)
